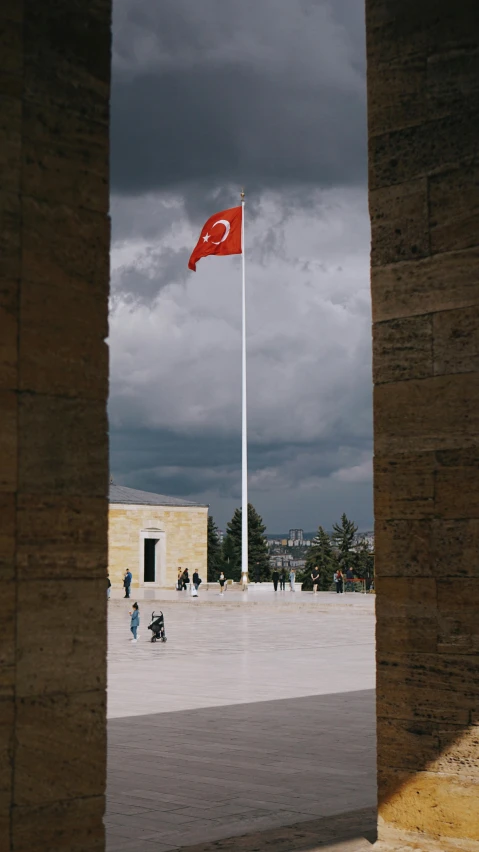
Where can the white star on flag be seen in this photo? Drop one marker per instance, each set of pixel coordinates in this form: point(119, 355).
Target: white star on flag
point(206, 238)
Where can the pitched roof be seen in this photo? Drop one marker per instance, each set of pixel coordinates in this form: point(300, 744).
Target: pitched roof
point(121, 494)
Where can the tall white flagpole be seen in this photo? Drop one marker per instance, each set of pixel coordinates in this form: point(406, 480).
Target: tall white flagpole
point(244, 430)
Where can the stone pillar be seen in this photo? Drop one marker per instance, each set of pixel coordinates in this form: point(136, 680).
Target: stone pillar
point(54, 271)
point(423, 90)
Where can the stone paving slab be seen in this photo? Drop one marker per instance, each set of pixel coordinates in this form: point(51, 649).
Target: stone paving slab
point(216, 656)
point(254, 596)
point(196, 755)
point(352, 832)
point(206, 774)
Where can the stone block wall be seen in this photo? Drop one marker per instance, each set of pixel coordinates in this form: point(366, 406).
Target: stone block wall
point(54, 279)
point(423, 92)
point(186, 540)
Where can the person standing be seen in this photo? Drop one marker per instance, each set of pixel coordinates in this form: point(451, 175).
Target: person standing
point(275, 579)
point(338, 579)
point(196, 581)
point(108, 587)
point(282, 580)
point(127, 582)
point(349, 580)
point(135, 622)
point(222, 581)
point(292, 578)
point(315, 578)
point(186, 579)
point(179, 582)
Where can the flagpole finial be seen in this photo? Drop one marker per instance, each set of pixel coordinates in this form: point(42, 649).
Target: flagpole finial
point(242, 193)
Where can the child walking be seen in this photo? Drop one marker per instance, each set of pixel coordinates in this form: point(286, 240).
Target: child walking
point(135, 622)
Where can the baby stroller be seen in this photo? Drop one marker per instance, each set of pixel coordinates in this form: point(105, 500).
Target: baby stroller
point(157, 627)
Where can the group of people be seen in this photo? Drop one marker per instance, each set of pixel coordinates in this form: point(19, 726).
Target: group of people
point(126, 584)
point(184, 581)
point(280, 577)
point(341, 579)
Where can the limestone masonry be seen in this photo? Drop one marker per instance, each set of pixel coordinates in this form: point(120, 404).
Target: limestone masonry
point(176, 530)
point(423, 101)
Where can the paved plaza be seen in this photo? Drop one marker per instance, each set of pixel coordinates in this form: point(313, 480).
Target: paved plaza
point(256, 714)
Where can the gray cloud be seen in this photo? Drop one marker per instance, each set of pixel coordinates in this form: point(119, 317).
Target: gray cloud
point(205, 96)
point(268, 93)
point(205, 469)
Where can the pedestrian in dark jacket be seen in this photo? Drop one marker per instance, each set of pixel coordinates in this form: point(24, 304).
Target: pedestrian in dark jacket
point(196, 580)
point(127, 582)
point(282, 580)
point(108, 586)
point(275, 579)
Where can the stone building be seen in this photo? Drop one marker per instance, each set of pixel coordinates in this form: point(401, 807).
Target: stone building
point(152, 535)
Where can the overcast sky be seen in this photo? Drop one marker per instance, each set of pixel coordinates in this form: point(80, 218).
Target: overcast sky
point(208, 96)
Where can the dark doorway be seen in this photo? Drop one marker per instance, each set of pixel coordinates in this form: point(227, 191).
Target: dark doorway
point(149, 574)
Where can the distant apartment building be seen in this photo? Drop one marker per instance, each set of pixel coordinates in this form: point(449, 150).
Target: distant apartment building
point(286, 562)
point(274, 542)
point(368, 537)
point(296, 535)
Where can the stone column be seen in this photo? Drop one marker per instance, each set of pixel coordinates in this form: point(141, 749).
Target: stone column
point(54, 272)
point(423, 90)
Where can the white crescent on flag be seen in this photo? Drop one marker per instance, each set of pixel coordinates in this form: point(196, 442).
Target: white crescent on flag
point(227, 230)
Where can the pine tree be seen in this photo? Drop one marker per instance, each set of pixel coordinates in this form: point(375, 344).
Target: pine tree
point(258, 559)
point(364, 562)
point(344, 535)
point(231, 559)
point(320, 554)
point(214, 551)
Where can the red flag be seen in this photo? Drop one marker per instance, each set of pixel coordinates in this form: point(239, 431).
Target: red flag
point(220, 235)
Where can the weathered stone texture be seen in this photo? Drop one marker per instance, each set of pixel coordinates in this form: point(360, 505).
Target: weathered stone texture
point(186, 540)
point(403, 349)
point(408, 288)
point(68, 825)
point(424, 203)
point(399, 222)
point(54, 247)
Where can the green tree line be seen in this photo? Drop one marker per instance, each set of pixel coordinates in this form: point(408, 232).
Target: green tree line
point(328, 552)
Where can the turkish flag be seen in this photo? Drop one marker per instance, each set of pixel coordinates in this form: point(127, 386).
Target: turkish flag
point(220, 235)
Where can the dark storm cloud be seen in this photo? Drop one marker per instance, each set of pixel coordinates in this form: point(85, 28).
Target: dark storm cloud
point(190, 466)
point(269, 93)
